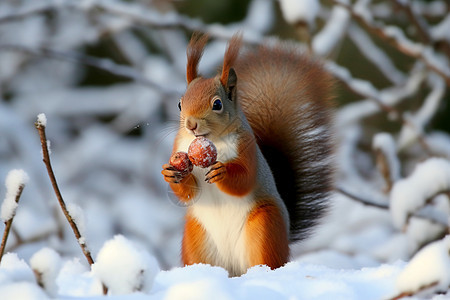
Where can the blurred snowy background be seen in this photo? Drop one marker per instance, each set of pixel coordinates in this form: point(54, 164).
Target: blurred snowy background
point(108, 76)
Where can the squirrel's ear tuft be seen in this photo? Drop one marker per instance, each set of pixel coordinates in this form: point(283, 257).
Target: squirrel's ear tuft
point(230, 56)
point(231, 84)
point(194, 53)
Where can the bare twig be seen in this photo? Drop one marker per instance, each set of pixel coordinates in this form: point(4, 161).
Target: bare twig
point(73, 225)
point(8, 225)
point(361, 200)
point(46, 158)
point(20, 242)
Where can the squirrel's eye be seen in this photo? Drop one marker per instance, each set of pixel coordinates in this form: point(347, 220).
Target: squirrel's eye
point(179, 105)
point(217, 105)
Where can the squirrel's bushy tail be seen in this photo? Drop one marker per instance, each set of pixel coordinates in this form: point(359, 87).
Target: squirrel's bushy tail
point(286, 97)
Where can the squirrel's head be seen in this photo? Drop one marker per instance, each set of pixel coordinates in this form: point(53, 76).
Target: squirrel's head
point(209, 106)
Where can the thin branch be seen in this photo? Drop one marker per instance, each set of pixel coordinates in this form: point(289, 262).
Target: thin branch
point(73, 225)
point(8, 225)
point(20, 242)
point(361, 200)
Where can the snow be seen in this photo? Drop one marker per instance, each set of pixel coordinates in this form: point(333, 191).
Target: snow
point(428, 179)
point(324, 42)
point(440, 31)
point(75, 280)
point(15, 269)
point(15, 181)
point(47, 263)
point(77, 215)
point(22, 290)
point(296, 11)
point(42, 120)
point(430, 266)
point(123, 268)
point(295, 280)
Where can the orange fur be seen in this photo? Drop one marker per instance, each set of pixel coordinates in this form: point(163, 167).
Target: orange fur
point(267, 240)
point(197, 97)
point(193, 245)
point(186, 189)
point(230, 57)
point(240, 177)
point(194, 53)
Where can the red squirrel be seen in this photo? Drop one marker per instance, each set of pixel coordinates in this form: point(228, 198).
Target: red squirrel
point(268, 112)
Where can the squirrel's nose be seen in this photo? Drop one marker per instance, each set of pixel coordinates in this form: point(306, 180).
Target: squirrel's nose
point(191, 125)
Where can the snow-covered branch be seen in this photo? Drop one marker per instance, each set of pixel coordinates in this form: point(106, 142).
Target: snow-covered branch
point(15, 183)
point(417, 20)
point(396, 38)
point(99, 63)
point(428, 180)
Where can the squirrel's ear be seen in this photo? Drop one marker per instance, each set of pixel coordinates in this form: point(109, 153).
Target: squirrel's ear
point(230, 56)
point(231, 84)
point(194, 53)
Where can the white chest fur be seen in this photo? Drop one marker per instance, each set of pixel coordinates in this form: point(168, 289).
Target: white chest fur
point(223, 216)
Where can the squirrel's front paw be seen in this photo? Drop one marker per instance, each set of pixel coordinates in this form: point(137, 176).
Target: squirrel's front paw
point(172, 175)
point(216, 173)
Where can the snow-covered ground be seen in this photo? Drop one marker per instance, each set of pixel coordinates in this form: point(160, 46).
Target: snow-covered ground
point(386, 232)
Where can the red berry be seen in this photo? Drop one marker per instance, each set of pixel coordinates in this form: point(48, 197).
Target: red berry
point(202, 152)
point(181, 162)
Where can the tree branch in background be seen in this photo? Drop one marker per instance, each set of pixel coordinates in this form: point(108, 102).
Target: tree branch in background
point(14, 16)
point(40, 126)
point(367, 90)
point(418, 22)
point(99, 63)
point(8, 224)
